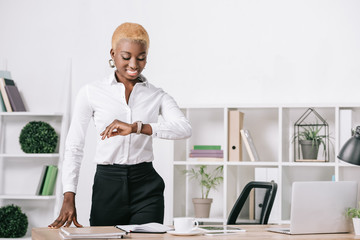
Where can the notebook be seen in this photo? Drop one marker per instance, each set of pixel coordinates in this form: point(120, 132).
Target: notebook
point(319, 207)
point(108, 232)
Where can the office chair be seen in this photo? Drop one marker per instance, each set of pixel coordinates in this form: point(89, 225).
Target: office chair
point(270, 189)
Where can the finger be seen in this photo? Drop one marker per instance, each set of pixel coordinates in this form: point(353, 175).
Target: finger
point(76, 222)
point(104, 133)
point(57, 223)
point(111, 131)
point(68, 221)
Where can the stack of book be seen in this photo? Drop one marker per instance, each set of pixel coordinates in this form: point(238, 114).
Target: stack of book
point(47, 181)
point(207, 153)
point(10, 98)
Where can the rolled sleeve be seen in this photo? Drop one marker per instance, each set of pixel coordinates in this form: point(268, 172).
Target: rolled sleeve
point(175, 125)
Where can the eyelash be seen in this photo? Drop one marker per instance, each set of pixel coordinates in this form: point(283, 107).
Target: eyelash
point(139, 59)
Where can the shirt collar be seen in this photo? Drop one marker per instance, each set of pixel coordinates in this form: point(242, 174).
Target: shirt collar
point(143, 80)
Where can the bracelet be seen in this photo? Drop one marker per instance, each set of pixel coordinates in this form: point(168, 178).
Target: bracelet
point(139, 126)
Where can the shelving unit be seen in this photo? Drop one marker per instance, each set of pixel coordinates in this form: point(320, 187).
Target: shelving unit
point(271, 128)
point(20, 172)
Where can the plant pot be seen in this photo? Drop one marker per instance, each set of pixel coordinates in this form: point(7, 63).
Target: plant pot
point(356, 224)
point(308, 150)
point(202, 207)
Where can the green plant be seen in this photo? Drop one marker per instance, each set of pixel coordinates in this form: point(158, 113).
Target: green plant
point(13, 222)
point(312, 133)
point(206, 180)
point(353, 212)
point(38, 137)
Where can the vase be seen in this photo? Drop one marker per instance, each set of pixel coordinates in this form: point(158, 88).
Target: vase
point(202, 207)
point(356, 224)
point(308, 149)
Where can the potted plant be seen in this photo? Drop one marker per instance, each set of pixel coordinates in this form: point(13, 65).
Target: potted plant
point(207, 181)
point(310, 139)
point(354, 213)
point(13, 222)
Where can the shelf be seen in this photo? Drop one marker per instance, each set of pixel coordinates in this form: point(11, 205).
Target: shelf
point(32, 114)
point(26, 197)
point(185, 163)
point(271, 127)
point(309, 164)
point(24, 238)
point(30, 155)
point(275, 164)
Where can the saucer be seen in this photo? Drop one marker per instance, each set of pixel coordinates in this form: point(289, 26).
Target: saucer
point(191, 233)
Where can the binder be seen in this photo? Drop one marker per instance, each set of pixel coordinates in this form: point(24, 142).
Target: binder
point(267, 175)
point(346, 124)
point(235, 122)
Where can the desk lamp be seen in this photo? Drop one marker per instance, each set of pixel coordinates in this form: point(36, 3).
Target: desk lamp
point(350, 152)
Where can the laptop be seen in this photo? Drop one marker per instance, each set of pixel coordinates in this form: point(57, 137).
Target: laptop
point(319, 207)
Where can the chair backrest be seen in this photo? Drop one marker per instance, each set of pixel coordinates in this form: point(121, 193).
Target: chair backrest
point(266, 205)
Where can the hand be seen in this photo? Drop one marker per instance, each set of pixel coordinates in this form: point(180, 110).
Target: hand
point(67, 213)
point(118, 128)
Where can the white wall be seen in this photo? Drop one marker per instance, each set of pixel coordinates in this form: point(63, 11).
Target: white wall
point(201, 52)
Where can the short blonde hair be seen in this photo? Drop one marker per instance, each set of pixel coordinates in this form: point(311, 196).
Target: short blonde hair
point(131, 31)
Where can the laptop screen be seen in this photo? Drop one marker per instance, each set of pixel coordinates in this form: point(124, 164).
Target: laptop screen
point(320, 206)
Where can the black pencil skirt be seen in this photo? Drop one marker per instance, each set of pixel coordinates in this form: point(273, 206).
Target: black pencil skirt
point(127, 194)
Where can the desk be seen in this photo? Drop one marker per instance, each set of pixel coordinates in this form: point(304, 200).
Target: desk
point(253, 232)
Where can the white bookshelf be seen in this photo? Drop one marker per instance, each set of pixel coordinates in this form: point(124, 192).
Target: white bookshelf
point(271, 128)
point(20, 172)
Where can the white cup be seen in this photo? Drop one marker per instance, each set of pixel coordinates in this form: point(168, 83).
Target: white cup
point(185, 224)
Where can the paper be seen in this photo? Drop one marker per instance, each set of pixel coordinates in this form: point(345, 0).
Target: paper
point(148, 227)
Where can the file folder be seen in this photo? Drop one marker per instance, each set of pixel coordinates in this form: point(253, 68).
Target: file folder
point(236, 119)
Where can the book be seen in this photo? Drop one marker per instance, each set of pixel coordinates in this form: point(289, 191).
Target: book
point(145, 228)
point(206, 151)
point(235, 124)
point(91, 232)
point(209, 159)
point(2, 104)
point(207, 147)
point(249, 145)
point(219, 155)
point(50, 179)
point(42, 180)
point(17, 104)
point(4, 95)
point(3, 74)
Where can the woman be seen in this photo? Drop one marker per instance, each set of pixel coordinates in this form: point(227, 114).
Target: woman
point(125, 109)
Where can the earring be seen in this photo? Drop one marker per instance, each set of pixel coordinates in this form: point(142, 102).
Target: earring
point(111, 63)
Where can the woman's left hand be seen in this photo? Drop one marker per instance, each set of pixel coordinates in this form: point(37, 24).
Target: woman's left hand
point(117, 128)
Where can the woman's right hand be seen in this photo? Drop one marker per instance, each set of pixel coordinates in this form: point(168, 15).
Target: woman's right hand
point(67, 213)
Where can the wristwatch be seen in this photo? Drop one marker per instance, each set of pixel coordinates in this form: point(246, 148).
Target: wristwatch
point(139, 126)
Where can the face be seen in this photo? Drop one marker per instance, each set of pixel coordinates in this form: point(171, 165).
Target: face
point(129, 58)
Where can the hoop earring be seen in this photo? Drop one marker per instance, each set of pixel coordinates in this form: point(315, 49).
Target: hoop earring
point(111, 63)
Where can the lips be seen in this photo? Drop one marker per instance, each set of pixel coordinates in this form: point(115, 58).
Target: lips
point(132, 72)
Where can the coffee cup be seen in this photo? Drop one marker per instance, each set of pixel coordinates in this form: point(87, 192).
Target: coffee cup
point(185, 224)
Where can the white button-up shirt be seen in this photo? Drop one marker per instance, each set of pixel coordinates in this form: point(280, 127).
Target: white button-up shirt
point(104, 101)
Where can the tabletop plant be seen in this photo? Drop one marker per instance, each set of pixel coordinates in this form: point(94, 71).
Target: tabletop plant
point(13, 222)
point(312, 133)
point(310, 137)
point(353, 212)
point(207, 180)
